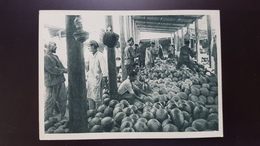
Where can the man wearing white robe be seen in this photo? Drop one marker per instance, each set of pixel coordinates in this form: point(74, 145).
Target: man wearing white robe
point(96, 67)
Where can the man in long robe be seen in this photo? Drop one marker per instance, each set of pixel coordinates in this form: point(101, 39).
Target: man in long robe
point(185, 54)
point(96, 67)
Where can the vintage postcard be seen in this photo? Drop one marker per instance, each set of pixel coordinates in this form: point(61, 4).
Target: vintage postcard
point(130, 74)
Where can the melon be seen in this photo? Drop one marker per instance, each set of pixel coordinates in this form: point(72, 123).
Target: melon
point(95, 121)
point(154, 125)
point(204, 91)
point(167, 121)
point(194, 98)
point(195, 91)
point(107, 123)
point(148, 115)
point(212, 93)
point(214, 88)
point(51, 130)
point(105, 96)
point(212, 116)
point(185, 107)
point(153, 111)
point(163, 98)
point(117, 110)
point(134, 108)
point(170, 128)
point(213, 110)
point(213, 125)
point(99, 115)
point(91, 112)
point(183, 95)
point(191, 129)
point(202, 80)
point(148, 98)
point(125, 103)
point(187, 91)
point(59, 131)
point(186, 124)
point(106, 101)
point(135, 117)
point(200, 112)
point(175, 98)
point(128, 111)
point(115, 129)
point(101, 108)
point(161, 115)
point(205, 85)
point(200, 124)
point(191, 104)
point(128, 119)
point(126, 124)
point(203, 99)
point(157, 105)
point(108, 112)
point(177, 117)
point(140, 127)
point(142, 120)
point(119, 117)
point(186, 115)
point(112, 103)
point(210, 100)
point(128, 130)
point(121, 105)
point(139, 105)
point(172, 106)
point(163, 90)
point(216, 100)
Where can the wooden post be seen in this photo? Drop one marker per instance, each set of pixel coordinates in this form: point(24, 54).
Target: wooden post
point(76, 80)
point(175, 42)
point(188, 31)
point(182, 37)
point(209, 38)
point(171, 39)
point(127, 28)
point(111, 61)
point(197, 38)
point(122, 45)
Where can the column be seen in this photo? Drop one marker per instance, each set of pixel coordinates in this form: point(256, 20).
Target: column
point(122, 45)
point(209, 38)
point(197, 39)
point(76, 80)
point(111, 61)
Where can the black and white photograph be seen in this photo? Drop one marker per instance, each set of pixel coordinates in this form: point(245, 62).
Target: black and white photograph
point(129, 74)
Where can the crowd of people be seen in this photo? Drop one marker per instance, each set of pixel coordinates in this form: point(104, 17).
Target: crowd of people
point(135, 56)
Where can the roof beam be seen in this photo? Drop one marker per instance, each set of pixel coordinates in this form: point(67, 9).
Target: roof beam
point(160, 23)
point(156, 27)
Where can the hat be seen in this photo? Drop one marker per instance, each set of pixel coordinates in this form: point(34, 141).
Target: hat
point(152, 42)
point(93, 42)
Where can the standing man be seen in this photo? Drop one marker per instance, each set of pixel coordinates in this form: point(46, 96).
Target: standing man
point(97, 73)
point(54, 82)
point(185, 53)
point(148, 57)
point(172, 49)
point(142, 54)
point(154, 52)
point(129, 55)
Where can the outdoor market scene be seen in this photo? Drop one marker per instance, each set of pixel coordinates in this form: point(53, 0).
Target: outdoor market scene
point(134, 73)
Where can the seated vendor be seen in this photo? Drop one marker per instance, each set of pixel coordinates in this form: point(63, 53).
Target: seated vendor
point(129, 91)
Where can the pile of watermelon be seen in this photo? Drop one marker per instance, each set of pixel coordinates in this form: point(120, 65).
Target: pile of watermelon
point(180, 101)
point(56, 125)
